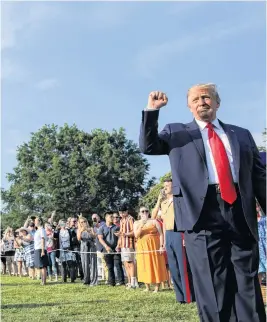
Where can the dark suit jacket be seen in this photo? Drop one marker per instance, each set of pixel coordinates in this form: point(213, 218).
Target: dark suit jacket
point(184, 145)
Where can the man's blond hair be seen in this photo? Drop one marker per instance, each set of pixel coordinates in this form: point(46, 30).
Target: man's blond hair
point(212, 88)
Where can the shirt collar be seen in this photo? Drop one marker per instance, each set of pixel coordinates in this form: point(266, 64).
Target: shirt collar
point(203, 124)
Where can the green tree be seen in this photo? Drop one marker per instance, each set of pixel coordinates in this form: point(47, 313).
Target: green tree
point(68, 170)
point(151, 197)
point(264, 135)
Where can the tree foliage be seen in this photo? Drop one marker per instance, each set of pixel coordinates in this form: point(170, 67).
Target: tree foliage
point(68, 170)
point(264, 135)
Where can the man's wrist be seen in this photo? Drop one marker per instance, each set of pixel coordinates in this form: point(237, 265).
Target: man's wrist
point(150, 109)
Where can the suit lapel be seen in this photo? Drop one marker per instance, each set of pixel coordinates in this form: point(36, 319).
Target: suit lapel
point(194, 131)
point(235, 147)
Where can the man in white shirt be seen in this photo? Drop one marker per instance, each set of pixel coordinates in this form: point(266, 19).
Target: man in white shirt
point(217, 174)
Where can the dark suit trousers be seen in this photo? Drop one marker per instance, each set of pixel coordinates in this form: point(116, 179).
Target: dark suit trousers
point(178, 265)
point(224, 259)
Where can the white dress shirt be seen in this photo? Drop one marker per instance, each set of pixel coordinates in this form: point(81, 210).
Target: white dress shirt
point(213, 176)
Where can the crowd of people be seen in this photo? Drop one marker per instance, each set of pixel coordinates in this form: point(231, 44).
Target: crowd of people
point(131, 251)
point(147, 250)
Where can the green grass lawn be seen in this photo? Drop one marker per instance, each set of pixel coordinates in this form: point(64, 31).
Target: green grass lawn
point(26, 300)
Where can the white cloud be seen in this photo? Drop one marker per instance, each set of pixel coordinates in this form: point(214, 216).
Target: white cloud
point(107, 15)
point(46, 84)
point(11, 151)
point(181, 8)
point(18, 22)
point(13, 71)
point(150, 59)
point(22, 17)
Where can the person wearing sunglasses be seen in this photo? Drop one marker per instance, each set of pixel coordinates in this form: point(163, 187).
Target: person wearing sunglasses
point(116, 219)
point(151, 268)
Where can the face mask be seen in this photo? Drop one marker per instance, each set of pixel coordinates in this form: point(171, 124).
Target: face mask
point(62, 225)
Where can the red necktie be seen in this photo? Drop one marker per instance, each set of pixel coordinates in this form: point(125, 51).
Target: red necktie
point(227, 187)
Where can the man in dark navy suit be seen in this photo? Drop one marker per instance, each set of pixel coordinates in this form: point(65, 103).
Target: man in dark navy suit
point(217, 175)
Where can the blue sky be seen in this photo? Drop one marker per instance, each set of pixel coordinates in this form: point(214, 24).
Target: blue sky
point(94, 64)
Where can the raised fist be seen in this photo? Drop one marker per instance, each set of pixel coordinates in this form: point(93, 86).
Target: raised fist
point(156, 100)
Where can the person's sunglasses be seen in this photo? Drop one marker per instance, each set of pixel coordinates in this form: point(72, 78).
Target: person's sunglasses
point(144, 211)
point(116, 217)
point(82, 222)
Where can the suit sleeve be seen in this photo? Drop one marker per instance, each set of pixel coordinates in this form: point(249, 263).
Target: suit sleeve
point(258, 175)
point(150, 141)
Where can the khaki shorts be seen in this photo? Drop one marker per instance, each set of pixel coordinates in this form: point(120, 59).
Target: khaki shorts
point(127, 255)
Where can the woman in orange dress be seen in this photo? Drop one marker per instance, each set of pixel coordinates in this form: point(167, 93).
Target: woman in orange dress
point(151, 268)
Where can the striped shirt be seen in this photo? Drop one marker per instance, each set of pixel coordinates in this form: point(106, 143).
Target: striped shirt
point(126, 226)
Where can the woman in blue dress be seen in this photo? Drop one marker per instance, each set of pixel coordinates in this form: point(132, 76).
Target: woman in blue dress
point(262, 243)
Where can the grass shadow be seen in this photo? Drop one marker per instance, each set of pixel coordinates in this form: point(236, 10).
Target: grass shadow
point(38, 305)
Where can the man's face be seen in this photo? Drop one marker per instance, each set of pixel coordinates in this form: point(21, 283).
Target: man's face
point(167, 186)
point(116, 218)
point(202, 103)
point(109, 219)
point(123, 214)
point(73, 222)
point(95, 218)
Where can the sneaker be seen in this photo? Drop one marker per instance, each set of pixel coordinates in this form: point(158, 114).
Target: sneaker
point(119, 284)
point(130, 287)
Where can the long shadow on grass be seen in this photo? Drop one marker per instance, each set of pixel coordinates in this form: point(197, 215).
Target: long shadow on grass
point(37, 305)
point(35, 284)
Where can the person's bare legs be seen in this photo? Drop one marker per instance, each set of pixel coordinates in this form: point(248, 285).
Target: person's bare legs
point(125, 264)
point(147, 289)
point(3, 268)
point(15, 268)
point(19, 263)
point(156, 288)
point(133, 280)
point(43, 272)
